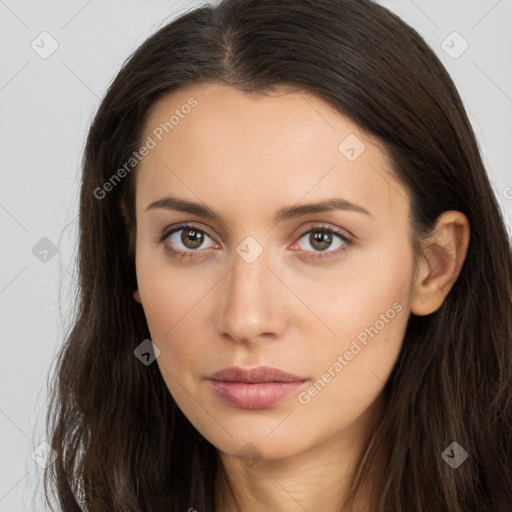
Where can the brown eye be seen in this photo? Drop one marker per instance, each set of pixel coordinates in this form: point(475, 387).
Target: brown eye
point(320, 240)
point(191, 238)
point(323, 241)
point(185, 240)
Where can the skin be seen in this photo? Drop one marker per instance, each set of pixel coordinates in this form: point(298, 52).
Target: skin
point(245, 157)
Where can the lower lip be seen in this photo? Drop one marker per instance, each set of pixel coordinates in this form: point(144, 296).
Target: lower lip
point(254, 396)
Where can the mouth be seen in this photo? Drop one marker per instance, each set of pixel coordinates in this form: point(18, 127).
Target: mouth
point(254, 388)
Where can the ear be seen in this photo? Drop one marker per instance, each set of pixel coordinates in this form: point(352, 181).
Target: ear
point(444, 254)
point(136, 296)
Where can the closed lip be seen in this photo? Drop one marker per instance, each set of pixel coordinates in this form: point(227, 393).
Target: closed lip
point(254, 375)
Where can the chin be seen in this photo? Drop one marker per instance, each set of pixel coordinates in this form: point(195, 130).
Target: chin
point(254, 442)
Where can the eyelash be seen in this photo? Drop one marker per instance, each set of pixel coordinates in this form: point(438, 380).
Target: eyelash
point(193, 253)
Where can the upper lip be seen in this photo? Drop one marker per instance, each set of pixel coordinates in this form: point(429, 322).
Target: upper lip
point(253, 375)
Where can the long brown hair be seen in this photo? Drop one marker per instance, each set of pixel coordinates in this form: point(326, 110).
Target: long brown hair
point(122, 442)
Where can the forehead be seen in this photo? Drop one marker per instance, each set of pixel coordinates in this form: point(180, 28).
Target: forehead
point(217, 143)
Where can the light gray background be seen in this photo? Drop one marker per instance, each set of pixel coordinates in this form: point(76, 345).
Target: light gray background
point(46, 105)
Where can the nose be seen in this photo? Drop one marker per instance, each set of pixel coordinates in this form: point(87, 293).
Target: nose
point(252, 302)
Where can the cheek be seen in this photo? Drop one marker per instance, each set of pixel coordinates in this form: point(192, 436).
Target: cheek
point(364, 289)
point(173, 301)
point(368, 310)
point(168, 293)
point(349, 373)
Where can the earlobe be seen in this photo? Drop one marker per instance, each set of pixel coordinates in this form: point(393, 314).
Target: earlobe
point(444, 255)
point(136, 296)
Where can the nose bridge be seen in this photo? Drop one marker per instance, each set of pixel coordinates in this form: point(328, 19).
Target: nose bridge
point(249, 305)
point(248, 277)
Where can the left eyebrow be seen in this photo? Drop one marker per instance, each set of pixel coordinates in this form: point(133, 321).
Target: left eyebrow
point(335, 203)
point(286, 213)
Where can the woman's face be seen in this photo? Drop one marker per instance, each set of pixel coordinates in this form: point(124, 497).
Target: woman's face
point(257, 279)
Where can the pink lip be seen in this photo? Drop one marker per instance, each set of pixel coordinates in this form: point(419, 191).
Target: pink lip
point(254, 388)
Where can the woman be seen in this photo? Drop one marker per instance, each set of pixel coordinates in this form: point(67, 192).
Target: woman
point(295, 280)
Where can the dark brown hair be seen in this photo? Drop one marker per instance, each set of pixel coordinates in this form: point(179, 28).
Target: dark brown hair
point(122, 442)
